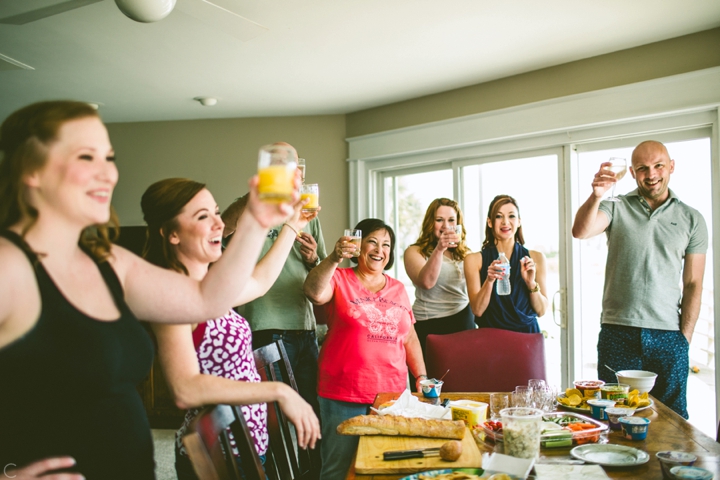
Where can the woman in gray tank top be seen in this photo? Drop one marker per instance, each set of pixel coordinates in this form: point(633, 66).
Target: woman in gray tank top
point(434, 263)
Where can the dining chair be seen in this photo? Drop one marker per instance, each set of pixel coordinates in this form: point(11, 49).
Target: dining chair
point(284, 461)
point(208, 444)
point(485, 359)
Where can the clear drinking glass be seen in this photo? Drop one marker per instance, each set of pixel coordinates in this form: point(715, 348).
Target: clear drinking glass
point(619, 168)
point(521, 396)
point(355, 238)
point(458, 231)
point(301, 167)
point(498, 402)
point(311, 191)
point(276, 169)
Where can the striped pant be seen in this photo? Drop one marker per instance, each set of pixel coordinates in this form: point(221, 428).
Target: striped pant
point(664, 352)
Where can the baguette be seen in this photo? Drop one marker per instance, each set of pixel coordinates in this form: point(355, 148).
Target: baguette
point(397, 425)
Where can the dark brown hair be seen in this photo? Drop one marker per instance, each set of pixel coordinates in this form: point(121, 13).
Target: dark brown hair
point(25, 139)
point(428, 241)
point(161, 203)
point(495, 205)
point(371, 225)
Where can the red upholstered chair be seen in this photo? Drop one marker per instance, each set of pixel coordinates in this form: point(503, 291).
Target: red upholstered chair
point(485, 359)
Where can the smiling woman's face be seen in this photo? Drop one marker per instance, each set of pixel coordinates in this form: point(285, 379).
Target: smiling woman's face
point(199, 230)
point(375, 251)
point(505, 223)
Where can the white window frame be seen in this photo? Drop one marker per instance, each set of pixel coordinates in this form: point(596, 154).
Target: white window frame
point(680, 103)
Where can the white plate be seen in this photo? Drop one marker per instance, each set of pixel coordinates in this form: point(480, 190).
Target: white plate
point(587, 410)
point(610, 455)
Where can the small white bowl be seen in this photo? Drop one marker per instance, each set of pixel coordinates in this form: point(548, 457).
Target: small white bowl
point(639, 380)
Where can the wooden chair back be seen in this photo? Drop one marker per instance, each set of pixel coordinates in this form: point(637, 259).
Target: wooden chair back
point(209, 449)
point(285, 461)
point(485, 359)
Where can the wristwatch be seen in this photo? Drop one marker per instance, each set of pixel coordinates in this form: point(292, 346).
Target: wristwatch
point(536, 289)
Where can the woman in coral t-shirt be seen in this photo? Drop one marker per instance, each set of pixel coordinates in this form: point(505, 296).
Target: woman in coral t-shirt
point(371, 341)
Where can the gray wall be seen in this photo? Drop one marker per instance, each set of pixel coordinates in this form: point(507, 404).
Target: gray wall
point(223, 154)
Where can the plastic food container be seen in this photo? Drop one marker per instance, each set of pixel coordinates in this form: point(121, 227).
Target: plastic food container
point(597, 408)
point(634, 428)
point(472, 413)
point(687, 473)
point(579, 437)
point(521, 431)
point(615, 391)
point(669, 459)
point(589, 388)
point(614, 414)
point(431, 387)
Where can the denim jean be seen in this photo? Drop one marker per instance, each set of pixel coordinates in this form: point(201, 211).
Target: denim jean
point(302, 351)
point(338, 450)
point(185, 470)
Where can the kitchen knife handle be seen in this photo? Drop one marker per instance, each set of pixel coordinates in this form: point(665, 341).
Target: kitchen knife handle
point(402, 455)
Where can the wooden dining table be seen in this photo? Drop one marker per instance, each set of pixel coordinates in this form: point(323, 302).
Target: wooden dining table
point(667, 431)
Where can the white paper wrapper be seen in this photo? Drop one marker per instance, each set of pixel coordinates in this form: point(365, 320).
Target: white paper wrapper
point(497, 462)
point(570, 472)
point(409, 406)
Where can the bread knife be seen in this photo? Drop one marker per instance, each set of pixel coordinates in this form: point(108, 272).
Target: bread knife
point(420, 453)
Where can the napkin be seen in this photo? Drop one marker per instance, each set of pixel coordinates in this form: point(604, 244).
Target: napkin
point(570, 472)
point(497, 462)
point(409, 406)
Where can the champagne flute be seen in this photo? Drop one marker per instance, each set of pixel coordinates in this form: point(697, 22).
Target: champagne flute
point(619, 168)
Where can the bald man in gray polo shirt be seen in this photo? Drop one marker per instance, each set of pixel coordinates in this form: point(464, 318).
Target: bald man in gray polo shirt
point(655, 244)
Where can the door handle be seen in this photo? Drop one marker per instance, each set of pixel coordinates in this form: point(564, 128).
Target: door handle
point(562, 323)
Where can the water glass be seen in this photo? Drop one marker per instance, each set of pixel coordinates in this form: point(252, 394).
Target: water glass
point(498, 402)
point(355, 238)
point(458, 231)
point(276, 170)
point(301, 167)
point(521, 396)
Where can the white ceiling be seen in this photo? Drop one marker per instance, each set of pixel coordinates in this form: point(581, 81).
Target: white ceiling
point(317, 56)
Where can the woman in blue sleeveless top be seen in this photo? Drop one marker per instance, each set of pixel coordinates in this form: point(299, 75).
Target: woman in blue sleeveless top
point(527, 301)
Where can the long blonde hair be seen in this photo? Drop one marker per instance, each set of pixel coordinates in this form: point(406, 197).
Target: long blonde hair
point(25, 139)
point(428, 241)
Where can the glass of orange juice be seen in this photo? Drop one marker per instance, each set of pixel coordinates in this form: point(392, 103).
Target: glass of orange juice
point(276, 169)
point(312, 192)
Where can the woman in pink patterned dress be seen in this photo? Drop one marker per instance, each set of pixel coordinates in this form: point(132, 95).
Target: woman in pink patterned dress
point(212, 362)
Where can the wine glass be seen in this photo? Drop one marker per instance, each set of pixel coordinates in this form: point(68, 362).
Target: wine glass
point(619, 167)
point(498, 401)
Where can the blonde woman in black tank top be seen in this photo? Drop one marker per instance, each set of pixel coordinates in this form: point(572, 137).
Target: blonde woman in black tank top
point(71, 350)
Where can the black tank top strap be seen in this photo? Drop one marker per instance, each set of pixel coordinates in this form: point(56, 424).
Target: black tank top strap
point(110, 277)
point(21, 244)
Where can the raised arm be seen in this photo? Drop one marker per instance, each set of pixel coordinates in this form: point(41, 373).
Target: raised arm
point(478, 293)
point(190, 388)
point(588, 219)
point(269, 267)
point(317, 284)
point(159, 295)
point(424, 272)
point(693, 271)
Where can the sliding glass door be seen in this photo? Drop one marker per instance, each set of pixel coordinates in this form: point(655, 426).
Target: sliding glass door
point(691, 182)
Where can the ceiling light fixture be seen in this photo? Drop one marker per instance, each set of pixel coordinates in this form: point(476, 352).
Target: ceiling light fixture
point(146, 11)
point(206, 101)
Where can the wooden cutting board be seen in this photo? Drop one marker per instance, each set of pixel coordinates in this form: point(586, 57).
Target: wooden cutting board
point(371, 448)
